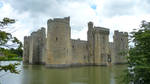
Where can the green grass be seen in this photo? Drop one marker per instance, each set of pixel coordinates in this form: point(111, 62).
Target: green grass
point(11, 59)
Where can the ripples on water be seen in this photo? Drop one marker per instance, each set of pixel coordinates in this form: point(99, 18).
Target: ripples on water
point(38, 74)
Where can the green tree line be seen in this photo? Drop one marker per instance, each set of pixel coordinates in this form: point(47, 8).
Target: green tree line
point(138, 71)
point(6, 50)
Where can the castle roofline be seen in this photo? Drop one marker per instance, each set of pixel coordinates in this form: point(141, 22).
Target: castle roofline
point(101, 28)
point(120, 32)
point(61, 20)
point(78, 40)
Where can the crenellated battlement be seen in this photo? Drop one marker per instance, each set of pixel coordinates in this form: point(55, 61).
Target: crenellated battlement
point(101, 30)
point(119, 34)
point(59, 50)
point(26, 37)
point(34, 46)
point(79, 43)
point(90, 26)
point(120, 45)
point(78, 40)
point(43, 29)
point(38, 32)
point(60, 20)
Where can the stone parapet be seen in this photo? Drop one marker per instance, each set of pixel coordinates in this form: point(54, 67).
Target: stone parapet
point(60, 20)
point(120, 45)
point(101, 30)
point(58, 50)
point(35, 46)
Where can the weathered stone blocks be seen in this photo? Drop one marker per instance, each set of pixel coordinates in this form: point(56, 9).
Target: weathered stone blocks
point(120, 47)
point(59, 50)
point(58, 42)
point(34, 47)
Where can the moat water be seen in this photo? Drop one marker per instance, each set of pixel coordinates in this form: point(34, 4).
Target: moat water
point(38, 74)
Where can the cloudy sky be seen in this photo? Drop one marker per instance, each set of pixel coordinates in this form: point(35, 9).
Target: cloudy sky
point(122, 15)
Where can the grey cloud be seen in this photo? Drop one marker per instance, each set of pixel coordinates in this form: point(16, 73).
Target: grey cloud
point(118, 7)
point(37, 7)
point(30, 5)
point(125, 7)
point(144, 6)
point(53, 8)
point(41, 10)
point(147, 1)
point(56, 8)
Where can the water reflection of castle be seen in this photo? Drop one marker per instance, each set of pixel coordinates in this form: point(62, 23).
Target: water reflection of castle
point(59, 50)
point(80, 75)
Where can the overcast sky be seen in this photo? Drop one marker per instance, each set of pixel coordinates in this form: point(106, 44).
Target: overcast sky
point(122, 15)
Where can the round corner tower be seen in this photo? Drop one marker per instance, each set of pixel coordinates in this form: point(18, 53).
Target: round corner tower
point(120, 47)
point(101, 45)
point(58, 42)
point(90, 39)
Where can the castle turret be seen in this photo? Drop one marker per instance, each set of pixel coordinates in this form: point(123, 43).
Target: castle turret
point(26, 50)
point(34, 50)
point(58, 42)
point(101, 45)
point(42, 45)
point(34, 47)
point(90, 26)
point(90, 38)
point(120, 47)
point(59, 50)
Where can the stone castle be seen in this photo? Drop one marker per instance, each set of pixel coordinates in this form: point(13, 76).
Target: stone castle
point(56, 48)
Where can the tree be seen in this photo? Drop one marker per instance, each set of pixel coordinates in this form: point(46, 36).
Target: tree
point(4, 39)
point(139, 56)
point(10, 67)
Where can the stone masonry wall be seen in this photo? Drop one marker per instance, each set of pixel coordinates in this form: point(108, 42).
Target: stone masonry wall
point(79, 52)
point(101, 45)
point(26, 49)
point(59, 50)
point(120, 47)
point(90, 43)
point(111, 52)
point(34, 47)
point(58, 42)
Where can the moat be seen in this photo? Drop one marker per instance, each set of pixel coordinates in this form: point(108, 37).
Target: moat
point(38, 74)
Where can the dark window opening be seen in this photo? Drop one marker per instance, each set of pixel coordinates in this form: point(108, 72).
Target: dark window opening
point(103, 37)
point(56, 38)
point(84, 57)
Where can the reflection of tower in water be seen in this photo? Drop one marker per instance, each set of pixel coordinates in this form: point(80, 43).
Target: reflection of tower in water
point(99, 75)
point(77, 75)
point(33, 74)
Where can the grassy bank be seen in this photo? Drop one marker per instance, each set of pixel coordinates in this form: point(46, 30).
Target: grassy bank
point(11, 59)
